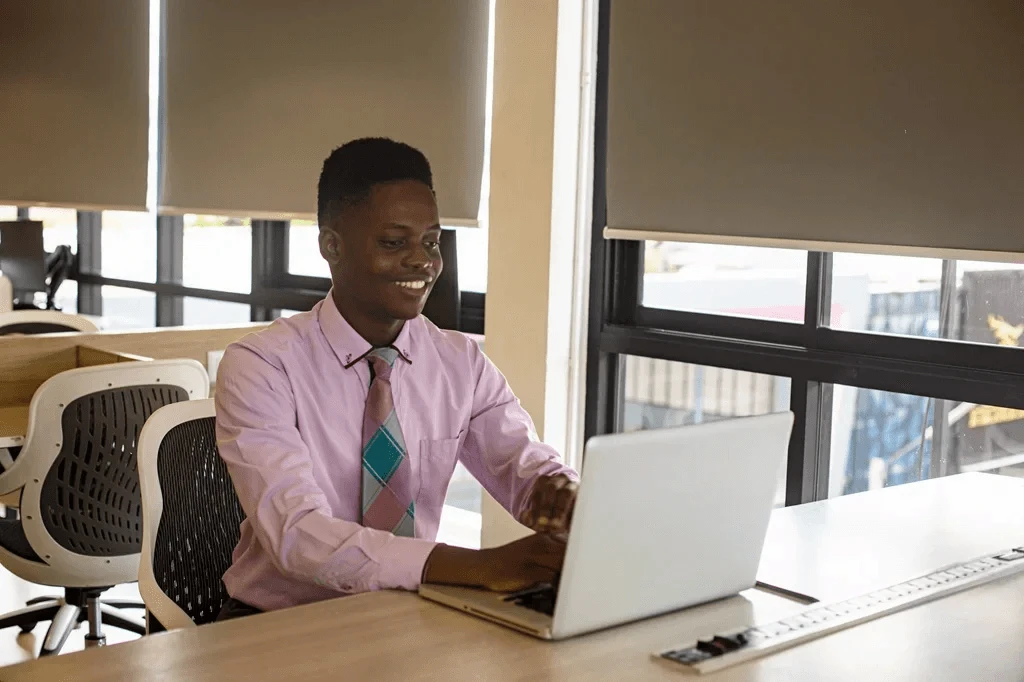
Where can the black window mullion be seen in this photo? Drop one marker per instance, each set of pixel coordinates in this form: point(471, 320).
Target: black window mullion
point(88, 261)
point(170, 247)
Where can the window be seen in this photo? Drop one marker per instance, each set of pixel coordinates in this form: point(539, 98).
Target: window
point(464, 492)
point(304, 250)
point(206, 312)
point(472, 252)
point(129, 246)
point(661, 393)
point(983, 303)
point(217, 253)
point(882, 439)
point(60, 226)
point(8, 212)
point(304, 254)
point(729, 280)
point(128, 308)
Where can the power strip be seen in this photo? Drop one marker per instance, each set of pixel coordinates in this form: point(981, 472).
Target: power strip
point(738, 646)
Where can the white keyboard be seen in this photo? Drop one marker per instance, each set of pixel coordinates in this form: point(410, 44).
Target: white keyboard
point(738, 646)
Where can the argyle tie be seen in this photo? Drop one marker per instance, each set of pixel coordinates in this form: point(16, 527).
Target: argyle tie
point(387, 475)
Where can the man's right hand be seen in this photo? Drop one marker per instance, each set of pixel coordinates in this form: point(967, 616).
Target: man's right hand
point(518, 565)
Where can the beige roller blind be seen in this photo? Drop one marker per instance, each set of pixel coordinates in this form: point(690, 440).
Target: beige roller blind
point(878, 125)
point(74, 103)
point(259, 92)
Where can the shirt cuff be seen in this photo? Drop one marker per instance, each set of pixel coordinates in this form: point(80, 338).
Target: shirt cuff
point(401, 564)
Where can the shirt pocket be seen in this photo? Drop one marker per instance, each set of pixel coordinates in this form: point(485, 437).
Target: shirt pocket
point(437, 463)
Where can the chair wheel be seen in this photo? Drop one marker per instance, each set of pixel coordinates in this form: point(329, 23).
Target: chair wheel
point(25, 629)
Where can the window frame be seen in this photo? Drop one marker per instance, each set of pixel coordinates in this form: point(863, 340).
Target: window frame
point(813, 355)
point(272, 287)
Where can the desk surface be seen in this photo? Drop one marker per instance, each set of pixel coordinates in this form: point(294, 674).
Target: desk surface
point(847, 546)
point(973, 635)
point(13, 421)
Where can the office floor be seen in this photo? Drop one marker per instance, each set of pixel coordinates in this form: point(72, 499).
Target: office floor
point(16, 647)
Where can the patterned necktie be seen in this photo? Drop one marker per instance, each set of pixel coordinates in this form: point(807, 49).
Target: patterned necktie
point(387, 474)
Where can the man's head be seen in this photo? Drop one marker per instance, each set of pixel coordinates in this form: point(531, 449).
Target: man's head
point(379, 229)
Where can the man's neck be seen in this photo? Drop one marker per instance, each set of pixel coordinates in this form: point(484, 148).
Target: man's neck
point(376, 332)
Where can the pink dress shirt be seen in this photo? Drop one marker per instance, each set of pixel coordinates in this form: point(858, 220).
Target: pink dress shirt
point(290, 403)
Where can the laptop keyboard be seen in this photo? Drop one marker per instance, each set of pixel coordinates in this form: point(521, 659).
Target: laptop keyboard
point(539, 598)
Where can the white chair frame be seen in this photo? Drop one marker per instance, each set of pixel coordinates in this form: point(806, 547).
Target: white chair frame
point(42, 446)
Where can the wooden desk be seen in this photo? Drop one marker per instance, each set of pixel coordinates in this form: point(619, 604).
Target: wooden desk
point(852, 545)
point(975, 635)
point(13, 422)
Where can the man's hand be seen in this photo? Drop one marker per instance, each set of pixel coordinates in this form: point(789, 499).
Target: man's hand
point(518, 565)
point(549, 509)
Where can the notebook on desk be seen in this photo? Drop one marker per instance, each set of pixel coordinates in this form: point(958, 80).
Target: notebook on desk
point(665, 519)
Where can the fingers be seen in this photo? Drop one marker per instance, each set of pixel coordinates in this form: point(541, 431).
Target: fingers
point(545, 499)
point(565, 500)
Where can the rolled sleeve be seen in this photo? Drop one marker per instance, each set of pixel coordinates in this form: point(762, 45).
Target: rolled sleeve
point(502, 449)
point(290, 516)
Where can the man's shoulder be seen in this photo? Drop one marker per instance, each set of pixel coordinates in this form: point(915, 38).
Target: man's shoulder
point(448, 343)
point(283, 337)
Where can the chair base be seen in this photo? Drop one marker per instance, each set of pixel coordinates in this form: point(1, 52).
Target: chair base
point(65, 613)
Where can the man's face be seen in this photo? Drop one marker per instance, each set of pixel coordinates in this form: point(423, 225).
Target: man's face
point(386, 254)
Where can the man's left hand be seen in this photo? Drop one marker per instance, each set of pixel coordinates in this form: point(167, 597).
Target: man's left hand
point(551, 503)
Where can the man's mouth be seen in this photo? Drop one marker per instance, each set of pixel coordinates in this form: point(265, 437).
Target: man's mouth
point(415, 285)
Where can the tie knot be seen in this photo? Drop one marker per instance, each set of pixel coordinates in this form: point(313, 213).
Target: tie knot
point(381, 360)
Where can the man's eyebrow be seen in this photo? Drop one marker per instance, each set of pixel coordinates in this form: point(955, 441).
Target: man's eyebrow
point(403, 226)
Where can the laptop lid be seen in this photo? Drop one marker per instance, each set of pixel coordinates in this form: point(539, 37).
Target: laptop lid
point(669, 518)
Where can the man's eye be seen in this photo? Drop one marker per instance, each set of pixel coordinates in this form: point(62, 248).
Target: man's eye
point(391, 243)
point(432, 245)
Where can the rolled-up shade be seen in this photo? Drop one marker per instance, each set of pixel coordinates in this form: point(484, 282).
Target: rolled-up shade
point(258, 93)
point(74, 103)
point(874, 126)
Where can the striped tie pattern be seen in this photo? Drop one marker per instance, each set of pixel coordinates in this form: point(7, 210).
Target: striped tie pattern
point(387, 502)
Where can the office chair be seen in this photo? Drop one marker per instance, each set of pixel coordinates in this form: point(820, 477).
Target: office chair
point(191, 517)
point(42, 322)
point(80, 525)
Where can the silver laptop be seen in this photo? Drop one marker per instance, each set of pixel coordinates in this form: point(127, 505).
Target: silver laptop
point(665, 519)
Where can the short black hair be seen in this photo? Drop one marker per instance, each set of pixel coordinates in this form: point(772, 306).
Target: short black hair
point(351, 171)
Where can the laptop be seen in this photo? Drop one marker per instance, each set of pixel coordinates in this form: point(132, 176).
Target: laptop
point(664, 519)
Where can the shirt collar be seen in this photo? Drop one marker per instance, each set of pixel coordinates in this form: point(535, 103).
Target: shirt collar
point(346, 342)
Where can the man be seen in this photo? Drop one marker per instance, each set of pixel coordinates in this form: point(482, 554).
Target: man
point(341, 427)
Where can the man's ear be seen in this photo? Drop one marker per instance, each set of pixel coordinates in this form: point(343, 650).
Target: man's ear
point(330, 245)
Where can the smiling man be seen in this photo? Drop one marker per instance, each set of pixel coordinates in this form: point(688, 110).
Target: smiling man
point(341, 427)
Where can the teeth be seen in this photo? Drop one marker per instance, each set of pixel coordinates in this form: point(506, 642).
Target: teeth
point(412, 285)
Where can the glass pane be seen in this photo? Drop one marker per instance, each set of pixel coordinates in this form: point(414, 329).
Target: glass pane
point(129, 246)
point(882, 439)
point(289, 313)
point(464, 492)
point(725, 280)
point(66, 299)
point(902, 295)
point(128, 308)
point(661, 393)
point(304, 250)
point(472, 251)
point(304, 254)
point(60, 226)
point(8, 212)
point(217, 253)
point(205, 312)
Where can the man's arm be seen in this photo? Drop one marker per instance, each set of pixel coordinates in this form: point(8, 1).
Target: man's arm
point(289, 513)
point(502, 449)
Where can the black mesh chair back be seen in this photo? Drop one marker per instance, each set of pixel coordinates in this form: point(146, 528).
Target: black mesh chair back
point(90, 499)
point(200, 522)
point(35, 328)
